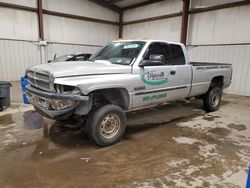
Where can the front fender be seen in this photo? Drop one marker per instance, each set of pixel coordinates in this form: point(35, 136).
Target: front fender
point(88, 84)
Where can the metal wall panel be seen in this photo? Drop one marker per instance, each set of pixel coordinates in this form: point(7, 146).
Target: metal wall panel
point(155, 9)
point(237, 55)
point(29, 3)
point(221, 26)
point(17, 24)
point(67, 30)
point(165, 29)
point(225, 26)
point(15, 57)
point(81, 8)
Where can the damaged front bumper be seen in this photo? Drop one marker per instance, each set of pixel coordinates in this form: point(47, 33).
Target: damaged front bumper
point(53, 105)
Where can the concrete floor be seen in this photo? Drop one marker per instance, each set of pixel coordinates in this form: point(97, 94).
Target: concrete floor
point(177, 145)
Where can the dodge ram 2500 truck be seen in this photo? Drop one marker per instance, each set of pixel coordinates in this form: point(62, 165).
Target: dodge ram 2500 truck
point(123, 75)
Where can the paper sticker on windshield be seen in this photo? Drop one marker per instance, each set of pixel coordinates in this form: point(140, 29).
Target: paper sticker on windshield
point(131, 46)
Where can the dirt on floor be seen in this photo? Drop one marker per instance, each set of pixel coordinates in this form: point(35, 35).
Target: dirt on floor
point(176, 145)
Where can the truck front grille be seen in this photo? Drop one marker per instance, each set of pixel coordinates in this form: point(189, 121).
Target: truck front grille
point(40, 80)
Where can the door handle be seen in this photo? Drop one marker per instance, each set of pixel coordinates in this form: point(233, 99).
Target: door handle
point(172, 72)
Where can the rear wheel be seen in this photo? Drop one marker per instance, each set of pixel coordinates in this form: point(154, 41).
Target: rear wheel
point(106, 125)
point(212, 99)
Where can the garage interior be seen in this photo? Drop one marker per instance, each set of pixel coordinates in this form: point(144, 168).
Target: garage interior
point(174, 145)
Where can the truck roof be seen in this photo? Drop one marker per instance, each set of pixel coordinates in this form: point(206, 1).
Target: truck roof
point(145, 40)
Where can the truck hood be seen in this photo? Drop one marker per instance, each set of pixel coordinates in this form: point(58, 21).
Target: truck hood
point(77, 68)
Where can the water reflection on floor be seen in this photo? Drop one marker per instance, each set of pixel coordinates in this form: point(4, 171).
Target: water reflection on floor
point(173, 145)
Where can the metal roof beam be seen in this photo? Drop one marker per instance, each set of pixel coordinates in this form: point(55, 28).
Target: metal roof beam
point(149, 2)
point(107, 5)
point(221, 6)
point(18, 7)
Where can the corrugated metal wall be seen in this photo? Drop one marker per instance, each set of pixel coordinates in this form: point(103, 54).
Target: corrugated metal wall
point(165, 29)
point(81, 8)
point(226, 26)
point(238, 55)
point(64, 35)
point(18, 54)
point(214, 34)
point(77, 32)
point(156, 9)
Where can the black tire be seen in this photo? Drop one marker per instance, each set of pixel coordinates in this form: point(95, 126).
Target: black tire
point(104, 118)
point(212, 99)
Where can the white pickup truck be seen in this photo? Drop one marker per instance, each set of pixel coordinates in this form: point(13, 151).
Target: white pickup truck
point(123, 75)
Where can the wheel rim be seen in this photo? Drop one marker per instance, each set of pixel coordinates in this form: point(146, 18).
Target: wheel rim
point(215, 99)
point(110, 125)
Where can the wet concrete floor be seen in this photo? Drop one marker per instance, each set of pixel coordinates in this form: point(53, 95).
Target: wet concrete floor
point(176, 145)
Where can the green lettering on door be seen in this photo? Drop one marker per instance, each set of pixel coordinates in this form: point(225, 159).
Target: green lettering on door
point(154, 97)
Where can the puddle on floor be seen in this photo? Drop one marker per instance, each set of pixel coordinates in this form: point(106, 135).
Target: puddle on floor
point(210, 117)
point(220, 131)
point(6, 120)
point(238, 127)
point(153, 149)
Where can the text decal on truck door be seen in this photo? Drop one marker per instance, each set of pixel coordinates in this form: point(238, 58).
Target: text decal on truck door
point(154, 78)
point(154, 97)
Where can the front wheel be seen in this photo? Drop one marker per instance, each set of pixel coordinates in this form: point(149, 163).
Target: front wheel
point(106, 125)
point(212, 99)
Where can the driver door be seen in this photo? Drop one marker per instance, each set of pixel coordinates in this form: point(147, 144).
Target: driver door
point(162, 82)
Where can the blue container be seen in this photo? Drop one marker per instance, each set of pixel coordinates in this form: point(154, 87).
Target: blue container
point(248, 179)
point(24, 83)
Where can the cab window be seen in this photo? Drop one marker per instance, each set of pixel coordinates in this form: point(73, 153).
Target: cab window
point(159, 49)
point(177, 54)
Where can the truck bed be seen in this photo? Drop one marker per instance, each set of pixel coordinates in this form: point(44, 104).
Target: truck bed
point(203, 72)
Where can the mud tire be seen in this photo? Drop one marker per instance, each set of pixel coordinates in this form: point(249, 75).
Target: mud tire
point(212, 99)
point(99, 118)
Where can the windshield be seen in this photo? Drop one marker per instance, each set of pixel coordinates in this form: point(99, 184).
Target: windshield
point(63, 58)
point(119, 52)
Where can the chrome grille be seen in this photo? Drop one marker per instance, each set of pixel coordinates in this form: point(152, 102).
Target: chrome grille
point(40, 80)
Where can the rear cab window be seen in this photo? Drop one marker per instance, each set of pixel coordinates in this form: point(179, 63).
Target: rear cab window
point(177, 54)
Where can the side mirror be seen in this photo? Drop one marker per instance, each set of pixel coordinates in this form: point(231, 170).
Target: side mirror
point(153, 61)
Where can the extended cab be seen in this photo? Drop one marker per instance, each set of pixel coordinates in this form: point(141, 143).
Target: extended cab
point(123, 75)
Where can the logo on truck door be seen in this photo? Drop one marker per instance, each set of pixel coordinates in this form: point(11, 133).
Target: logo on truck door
point(154, 78)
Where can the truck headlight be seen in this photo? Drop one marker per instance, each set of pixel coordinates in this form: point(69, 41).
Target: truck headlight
point(62, 104)
point(51, 81)
point(43, 103)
